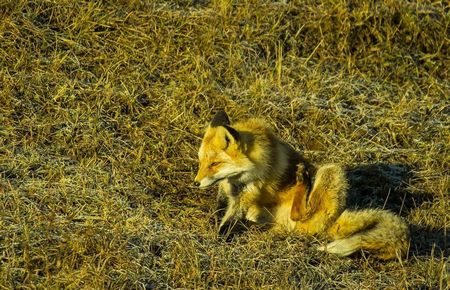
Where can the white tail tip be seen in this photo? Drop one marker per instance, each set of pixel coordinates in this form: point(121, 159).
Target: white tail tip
point(342, 247)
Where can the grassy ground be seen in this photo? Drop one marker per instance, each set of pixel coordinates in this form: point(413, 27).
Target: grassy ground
point(103, 104)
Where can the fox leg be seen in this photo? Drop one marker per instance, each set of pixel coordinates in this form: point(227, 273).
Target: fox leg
point(235, 219)
point(231, 213)
point(315, 209)
point(259, 215)
point(301, 210)
point(227, 208)
point(239, 209)
point(222, 205)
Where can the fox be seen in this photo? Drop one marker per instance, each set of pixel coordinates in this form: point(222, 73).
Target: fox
point(263, 180)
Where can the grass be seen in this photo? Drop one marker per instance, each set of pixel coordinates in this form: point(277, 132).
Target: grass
point(103, 104)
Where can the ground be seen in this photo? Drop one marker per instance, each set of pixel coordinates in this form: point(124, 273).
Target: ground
point(102, 109)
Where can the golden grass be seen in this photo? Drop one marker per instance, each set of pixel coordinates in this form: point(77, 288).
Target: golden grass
point(103, 104)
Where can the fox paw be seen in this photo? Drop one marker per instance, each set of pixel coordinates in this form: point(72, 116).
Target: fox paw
point(231, 228)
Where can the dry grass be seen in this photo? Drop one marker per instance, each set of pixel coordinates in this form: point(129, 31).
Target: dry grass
point(102, 104)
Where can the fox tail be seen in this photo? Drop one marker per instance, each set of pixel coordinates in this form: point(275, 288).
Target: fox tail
point(380, 232)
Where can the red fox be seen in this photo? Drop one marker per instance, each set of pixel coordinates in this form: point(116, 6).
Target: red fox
point(265, 181)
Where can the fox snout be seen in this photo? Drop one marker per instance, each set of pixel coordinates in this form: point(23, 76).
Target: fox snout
point(209, 175)
point(198, 178)
point(203, 181)
point(196, 183)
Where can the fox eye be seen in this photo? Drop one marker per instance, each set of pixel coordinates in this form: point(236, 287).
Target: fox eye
point(214, 164)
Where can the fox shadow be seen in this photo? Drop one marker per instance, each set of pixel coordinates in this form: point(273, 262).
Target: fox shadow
point(386, 186)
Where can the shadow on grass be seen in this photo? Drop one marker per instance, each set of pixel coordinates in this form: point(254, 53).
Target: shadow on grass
point(386, 186)
point(425, 241)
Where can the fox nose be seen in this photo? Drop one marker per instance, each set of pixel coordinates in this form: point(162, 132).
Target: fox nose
point(196, 183)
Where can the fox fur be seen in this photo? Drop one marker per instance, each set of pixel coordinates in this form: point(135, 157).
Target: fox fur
point(265, 181)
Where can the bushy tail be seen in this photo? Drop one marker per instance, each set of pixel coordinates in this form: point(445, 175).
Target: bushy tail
point(379, 232)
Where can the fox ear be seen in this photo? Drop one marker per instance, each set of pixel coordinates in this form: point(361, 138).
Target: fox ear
point(220, 119)
point(231, 136)
point(226, 136)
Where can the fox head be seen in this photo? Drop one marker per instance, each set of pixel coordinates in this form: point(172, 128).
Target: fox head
point(221, 154)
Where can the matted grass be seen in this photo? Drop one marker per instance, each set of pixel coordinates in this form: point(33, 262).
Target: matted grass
point(103, 104)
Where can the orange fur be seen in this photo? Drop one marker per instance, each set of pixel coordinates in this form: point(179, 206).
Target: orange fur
point(265, 181)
